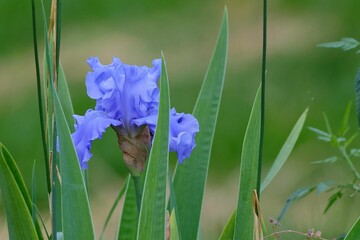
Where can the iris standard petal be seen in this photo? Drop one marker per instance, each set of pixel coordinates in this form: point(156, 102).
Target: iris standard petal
point(88, 128)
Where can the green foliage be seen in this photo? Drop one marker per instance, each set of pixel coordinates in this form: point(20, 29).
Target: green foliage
point(17, 203)
point(228, 232)
point(285, 150)
point(345, 44)
point(354, 232)
point(153, 204)
point(190, 177)
point(244, 223)
point(129, 218)
point(77, 219)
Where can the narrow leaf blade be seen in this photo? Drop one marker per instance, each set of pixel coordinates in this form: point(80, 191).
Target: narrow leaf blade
point(153, 205)
point(190, 177)
point(18, 213)
point(354, 232)
point(285, 150)
point(244, 226)
point(77, 220)
point(129, 218)
point(228, 232)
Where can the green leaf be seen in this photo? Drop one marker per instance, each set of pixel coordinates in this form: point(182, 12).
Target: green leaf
point(345, 121)
point(333, 198)
point(116, 202)
point(153, 204)
point(65, 99)
point(228, 232)
point(129, 218)
point(244, 223)
point(77, 220)
point(327, 160)
point(345, 44)
point(354, 232)
point(16, 199)
point(285, 150)
point(190, 177)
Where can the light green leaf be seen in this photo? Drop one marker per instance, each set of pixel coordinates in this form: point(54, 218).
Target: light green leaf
point(65, 99)
point(354, 232)
point(16, 199)
point(153, 204)
point(77, 220)
point(345, 44)
point(174, 231)
point(129, 218)
point(285, 150)
point(228, 232)
point(244, 223)
point(190, 177)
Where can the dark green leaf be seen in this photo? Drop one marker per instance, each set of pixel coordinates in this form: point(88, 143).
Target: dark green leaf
point(333, 198)
point(190, 177)
point(153, 204)
point(357, 93)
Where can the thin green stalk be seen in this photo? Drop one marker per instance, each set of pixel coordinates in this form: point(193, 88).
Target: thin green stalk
point(351, 164)
point(58, 32)
point(40, 100)
point(138, 191)
point(262, 108)
point(53, 191)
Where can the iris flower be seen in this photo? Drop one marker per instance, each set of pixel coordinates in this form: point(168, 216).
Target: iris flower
point(127, 99)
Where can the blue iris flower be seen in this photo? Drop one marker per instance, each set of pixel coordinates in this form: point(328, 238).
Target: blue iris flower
point(127, 99)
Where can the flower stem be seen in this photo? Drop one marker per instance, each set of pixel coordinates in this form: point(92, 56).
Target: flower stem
point(138, 191)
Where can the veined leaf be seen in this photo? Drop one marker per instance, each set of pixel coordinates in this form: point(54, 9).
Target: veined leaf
point(153, 204)
point(16, 199)
point(285, 150)
point(354, 232)
point(190, 177)
point(244, 223)
point(129, 218)
point(77, 220)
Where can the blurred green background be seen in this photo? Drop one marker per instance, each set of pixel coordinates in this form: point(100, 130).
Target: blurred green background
point(298, 75)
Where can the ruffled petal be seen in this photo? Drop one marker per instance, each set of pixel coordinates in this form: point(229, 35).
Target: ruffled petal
point(183, 128)
point(88, 128)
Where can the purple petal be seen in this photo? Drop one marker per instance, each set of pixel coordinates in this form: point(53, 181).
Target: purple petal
point(183, 128)
point(88, 128)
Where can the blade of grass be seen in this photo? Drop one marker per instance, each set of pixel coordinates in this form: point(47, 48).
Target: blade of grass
point(153, 204)
point(244, 225)
point(190, 177)
point(116, 202)
point(16, 200)
point(285, 150)
point(77, 220)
